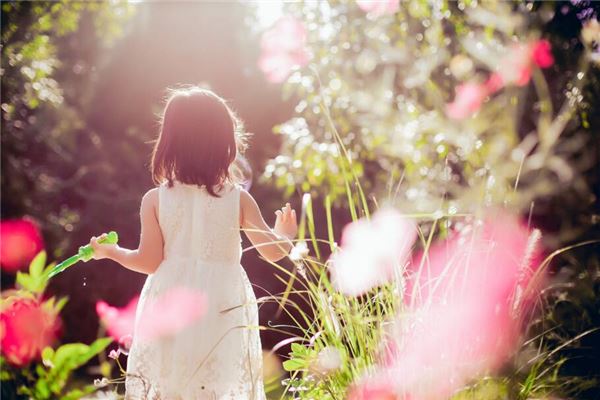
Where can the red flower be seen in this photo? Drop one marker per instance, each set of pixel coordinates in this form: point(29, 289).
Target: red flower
point(542, 54)
point(283, 48)
point(26, 328)
point(21, 241)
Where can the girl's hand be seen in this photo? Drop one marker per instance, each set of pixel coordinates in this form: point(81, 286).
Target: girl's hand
point(101, 250)
point(286, 224)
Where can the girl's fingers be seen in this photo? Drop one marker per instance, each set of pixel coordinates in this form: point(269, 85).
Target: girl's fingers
point(283, 214)
point(294, 215)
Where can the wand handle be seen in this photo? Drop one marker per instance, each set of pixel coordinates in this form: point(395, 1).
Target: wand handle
point(84, 254)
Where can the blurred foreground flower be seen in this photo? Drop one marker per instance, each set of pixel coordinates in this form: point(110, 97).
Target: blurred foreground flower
point(167, 315)
point(373, 391)
point(21, 241)
point(461, 320)
point(283, 47)
point(372, 252)
point(26, 328)
point(377, 8)
point(119, 322)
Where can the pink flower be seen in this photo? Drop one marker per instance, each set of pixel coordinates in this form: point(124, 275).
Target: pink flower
point(373, 390)
point(542, 53)
point(494, 83)
point(125, 344)
point(516, 67)
point(377, 8)
point(171, 313)
point(114, 354)
point(283, 48)
point(21, 241)
point(372, 252)
point(26, 327)
point(118, 321)
point(168, 314)
point(467, 101)
point(465, 303)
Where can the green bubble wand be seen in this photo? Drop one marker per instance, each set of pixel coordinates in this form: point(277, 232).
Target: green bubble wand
point(84, 254)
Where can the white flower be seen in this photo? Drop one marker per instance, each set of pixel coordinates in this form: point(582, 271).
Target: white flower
point(299, 251)
point(328, 360)
point(101, 382)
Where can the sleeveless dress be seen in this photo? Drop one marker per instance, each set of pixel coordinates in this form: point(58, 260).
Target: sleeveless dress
point(219, 356)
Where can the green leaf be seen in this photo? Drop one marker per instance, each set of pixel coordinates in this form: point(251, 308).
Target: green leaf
point(42, 390)
point(293, 365)
point(24, 281)
point(298, 349)
point(78, 393)
point(37, 264)
point(61, 304)
point(48, 354)
point(71, 356)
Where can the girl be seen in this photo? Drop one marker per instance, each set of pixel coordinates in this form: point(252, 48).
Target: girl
point(191, 238)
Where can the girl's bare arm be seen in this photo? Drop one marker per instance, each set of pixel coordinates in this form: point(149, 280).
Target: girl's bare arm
point(149, 254)
point(272, 244)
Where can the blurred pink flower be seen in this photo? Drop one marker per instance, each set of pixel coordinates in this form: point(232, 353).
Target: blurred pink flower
point(461, 321)
point(283, 47)
point(373, 390)
point(168, 314)
point(494, 83)
point(377, 8)
point(467, 101)
point(21, 241)
point(125, 344)
point(26, 327)
point(515, 68)
point(542, 53)
point(372, 252)
point(119, 322)
point(172, 312)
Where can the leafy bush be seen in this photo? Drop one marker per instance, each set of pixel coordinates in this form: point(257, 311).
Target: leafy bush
point(31, 366)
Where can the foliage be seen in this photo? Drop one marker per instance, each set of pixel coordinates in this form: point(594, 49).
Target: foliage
point(373, 111)
point(48, 375)
point(387, 81)
point(44, 81)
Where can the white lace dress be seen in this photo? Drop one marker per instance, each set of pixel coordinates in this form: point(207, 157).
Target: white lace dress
point(220, 356)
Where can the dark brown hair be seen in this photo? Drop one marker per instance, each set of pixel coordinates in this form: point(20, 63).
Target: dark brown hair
point(199, 140)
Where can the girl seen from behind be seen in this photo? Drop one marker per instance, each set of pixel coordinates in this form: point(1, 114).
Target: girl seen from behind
point(190, 237)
